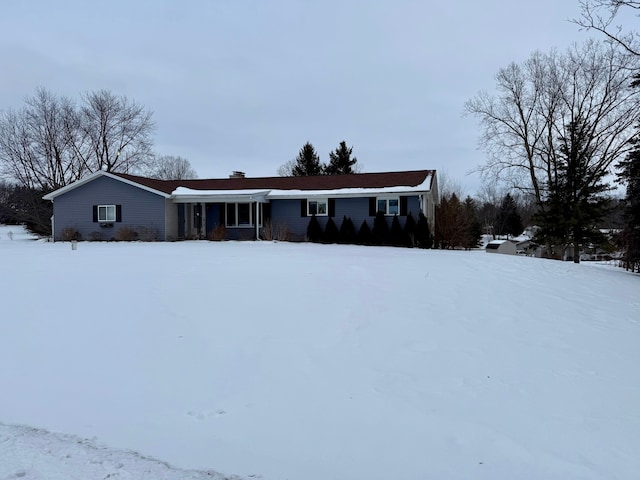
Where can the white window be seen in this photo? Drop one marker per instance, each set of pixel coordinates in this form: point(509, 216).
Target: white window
point(317, 207)
point(106, 213)
point(389, 205)
point(241, 215)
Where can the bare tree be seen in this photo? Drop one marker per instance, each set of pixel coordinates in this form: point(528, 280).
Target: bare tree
point(169, 167)
point(37, 143)
point(116, 133)
point(600, 15)
point(535, 101)
point(448, 185)
point(286, 169)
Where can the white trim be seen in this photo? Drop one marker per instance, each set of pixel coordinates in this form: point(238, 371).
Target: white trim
point(106, 207)
point(93, 176)
point(188, 195)
point(386, 199)
point(346, 192)
point(318, 200)
point(252, 222)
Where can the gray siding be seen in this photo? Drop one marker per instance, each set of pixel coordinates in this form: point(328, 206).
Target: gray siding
point(140, 208)
point(288, 212)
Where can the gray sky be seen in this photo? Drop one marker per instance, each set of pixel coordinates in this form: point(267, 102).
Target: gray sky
point(242, 85)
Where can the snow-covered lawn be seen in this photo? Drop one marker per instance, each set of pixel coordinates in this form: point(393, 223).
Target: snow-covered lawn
point(312, 362)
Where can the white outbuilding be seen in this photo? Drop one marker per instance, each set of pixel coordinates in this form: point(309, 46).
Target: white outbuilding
point(506, 247)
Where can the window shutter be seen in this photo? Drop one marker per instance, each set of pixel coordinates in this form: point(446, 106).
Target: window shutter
point(95, 213)
point(118, 213)
point(266, 212)
point(223, 213)
point(372, 206)
point(303, 207)
point(403, 206)
point(332, 207)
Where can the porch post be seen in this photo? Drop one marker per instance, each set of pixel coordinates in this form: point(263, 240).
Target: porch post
point(257, 221)
point(203, 219)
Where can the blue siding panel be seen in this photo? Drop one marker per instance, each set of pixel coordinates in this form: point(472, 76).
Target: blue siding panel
point(288, 212)
point(140, 208)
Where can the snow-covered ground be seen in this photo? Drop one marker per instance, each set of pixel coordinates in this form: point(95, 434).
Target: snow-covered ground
point(298, 361)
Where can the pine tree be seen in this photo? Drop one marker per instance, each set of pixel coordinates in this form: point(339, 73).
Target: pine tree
point(331, 233)
point(307, 162)
point(380, 234)
point(396, 234)
point(630, 175)
point(364, 234)
point(423, 232)
point(410, 230)
point(347, 231)
point(314, 230)
point(575, 203)
point(450, 223)
point(473, 228)
point(340, 161)
point(509, 221)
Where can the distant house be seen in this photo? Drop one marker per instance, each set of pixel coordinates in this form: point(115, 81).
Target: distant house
point(101, 204)
point(506, 247)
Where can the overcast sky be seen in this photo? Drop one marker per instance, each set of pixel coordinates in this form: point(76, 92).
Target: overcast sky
point(242, 85)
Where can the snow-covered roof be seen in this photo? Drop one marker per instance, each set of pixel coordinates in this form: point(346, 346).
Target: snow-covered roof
point(361, 184)
point(497, 242)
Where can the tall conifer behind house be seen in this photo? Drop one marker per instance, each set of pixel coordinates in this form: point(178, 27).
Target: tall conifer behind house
point(307, 162)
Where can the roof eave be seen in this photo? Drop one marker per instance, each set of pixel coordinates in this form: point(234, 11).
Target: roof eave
point(89, 178)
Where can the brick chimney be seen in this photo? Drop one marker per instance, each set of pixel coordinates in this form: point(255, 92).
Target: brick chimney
point(236, 174)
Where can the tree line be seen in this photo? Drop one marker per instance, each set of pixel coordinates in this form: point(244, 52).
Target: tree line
point(308, 163)
point(53, 141)
point(562, 125)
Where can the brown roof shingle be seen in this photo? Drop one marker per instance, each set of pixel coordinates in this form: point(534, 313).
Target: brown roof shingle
point(410, 178)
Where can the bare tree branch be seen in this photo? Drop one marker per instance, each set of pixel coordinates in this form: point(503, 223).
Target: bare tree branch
point(169, 167)
point(523, 122)
point(117, 133)
point(600, 15)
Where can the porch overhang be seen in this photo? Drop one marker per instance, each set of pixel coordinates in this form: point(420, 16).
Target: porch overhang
point(187, 195)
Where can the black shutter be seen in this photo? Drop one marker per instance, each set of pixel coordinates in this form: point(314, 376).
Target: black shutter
point(332, 207)
point(372, 206)
point(266, 212)
point(118, 213)
point(303, 207)
point(223, 213)
point(403, 206)
point(95, 213)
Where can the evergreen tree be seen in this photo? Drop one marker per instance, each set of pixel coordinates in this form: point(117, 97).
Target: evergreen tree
point(314, 230)
point(396, 234)
point(331, 233)
point(575, 204)
point(423, 232)
point(307, 162)
point(347, 231)
point(364, 234)
point(24, 205)
point(340, 161)
point(450, 223)
point(410, 230)
point(473, 228)
point(630, 175)
point(509, 221)
point(380, 234)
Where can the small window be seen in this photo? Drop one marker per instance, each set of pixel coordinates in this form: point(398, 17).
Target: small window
point(106, 213)
point(389, 206)
point(317, 207)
